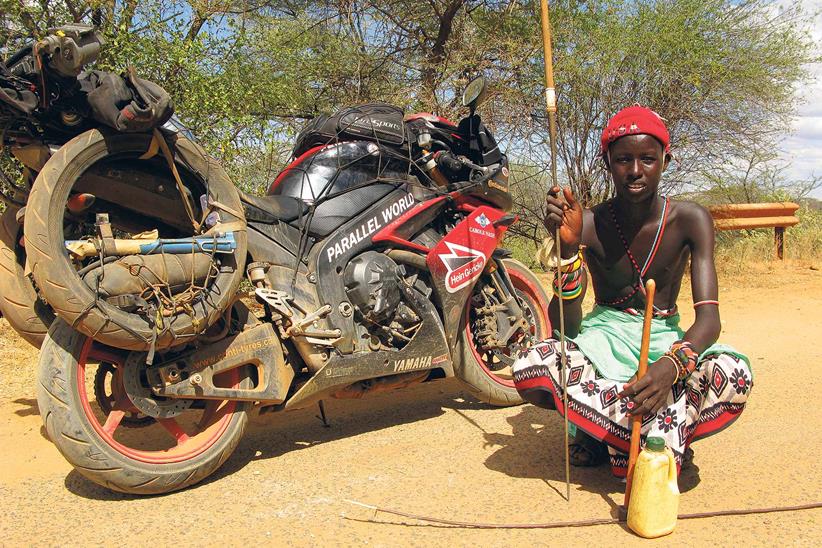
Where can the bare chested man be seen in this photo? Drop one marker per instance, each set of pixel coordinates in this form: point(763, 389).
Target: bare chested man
point(693, 387)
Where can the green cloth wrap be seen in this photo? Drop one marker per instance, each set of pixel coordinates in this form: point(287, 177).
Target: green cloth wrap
point(611, 338)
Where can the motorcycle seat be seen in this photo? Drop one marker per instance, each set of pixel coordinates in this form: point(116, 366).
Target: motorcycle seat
point(270, 209)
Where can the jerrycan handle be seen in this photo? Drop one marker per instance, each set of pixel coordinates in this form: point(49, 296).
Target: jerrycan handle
point(671, 466)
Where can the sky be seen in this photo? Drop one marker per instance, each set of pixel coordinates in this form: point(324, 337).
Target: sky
point(802, 146)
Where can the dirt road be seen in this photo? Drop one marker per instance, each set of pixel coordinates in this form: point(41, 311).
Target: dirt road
point(434, 450)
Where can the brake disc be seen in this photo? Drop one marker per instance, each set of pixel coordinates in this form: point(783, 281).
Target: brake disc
point(140, 394)
point(107, 401)
point(507, 357)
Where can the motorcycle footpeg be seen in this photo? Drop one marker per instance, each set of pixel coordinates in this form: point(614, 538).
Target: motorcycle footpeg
point(277, 300)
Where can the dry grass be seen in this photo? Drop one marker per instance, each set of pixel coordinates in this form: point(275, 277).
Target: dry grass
point(741, 252)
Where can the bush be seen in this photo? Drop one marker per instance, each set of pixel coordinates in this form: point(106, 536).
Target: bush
point(803, 243)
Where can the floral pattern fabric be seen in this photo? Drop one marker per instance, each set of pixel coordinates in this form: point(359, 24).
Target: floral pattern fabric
point(705, 403)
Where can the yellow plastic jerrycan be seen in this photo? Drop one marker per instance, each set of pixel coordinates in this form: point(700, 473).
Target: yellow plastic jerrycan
point(654, 499)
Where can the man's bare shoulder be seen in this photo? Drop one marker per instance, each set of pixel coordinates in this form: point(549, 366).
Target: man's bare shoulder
point(693, 221)
point(691, 213)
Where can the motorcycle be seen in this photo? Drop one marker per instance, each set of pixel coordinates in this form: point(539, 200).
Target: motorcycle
point(374, 262)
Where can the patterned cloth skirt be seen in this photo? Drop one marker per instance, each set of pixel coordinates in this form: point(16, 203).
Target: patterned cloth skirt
point(705, 403)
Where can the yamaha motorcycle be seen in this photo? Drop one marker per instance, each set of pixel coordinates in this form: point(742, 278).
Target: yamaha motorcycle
point(373, 262)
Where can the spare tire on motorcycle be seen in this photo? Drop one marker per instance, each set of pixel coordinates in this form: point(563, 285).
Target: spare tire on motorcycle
point(127, 179)
point(19, 304)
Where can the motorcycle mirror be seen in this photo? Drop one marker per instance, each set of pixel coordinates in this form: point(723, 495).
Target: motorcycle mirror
point(474, 93)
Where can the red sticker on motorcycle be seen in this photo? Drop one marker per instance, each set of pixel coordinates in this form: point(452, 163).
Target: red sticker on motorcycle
point(463, 264)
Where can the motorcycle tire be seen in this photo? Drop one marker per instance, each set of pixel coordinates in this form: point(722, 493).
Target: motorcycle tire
point(26, 313)
point(121, 458)
point(57, 279)
point(486, 384)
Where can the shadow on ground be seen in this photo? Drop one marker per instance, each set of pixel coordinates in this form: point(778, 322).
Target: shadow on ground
point(29, 407)
point(534, 450)
point(271, 435)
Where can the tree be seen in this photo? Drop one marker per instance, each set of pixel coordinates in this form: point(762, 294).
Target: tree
point(759, 178)
point(246, 75)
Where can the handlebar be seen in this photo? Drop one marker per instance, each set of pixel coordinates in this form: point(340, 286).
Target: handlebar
point(454, 166)
point(490, 173)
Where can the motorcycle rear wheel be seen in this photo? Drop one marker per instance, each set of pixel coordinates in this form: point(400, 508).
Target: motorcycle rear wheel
point(497, 386)
point(19, 303)
point(167, 456)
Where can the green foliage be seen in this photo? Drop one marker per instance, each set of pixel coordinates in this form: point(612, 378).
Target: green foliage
point(246, 76)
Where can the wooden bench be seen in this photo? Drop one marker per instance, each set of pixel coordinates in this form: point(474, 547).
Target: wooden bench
point(776, 215)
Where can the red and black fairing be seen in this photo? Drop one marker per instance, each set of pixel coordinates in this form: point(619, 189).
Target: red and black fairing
point(351, 206)
point(328, 261)
point(460, 258)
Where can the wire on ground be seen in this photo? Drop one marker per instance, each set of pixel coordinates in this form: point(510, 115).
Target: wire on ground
point(582, 523)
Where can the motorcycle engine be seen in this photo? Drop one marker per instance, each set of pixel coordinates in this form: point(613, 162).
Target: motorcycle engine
point(372, 281)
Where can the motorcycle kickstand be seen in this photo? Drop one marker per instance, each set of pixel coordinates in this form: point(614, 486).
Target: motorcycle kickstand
point(322, 416)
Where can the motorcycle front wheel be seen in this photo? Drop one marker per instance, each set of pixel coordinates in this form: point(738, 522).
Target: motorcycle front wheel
point(179, 449)
point(487, 372)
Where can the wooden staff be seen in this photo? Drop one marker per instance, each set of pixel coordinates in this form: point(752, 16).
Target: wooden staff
point(551, 107)
point(636, 420)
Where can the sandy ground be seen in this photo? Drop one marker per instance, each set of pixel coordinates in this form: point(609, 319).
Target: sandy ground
point(434, 450)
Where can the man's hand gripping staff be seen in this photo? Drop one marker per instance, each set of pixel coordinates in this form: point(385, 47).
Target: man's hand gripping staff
point(567, 216)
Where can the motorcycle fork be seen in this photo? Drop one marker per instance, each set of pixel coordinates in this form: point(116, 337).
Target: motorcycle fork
point(509, 304)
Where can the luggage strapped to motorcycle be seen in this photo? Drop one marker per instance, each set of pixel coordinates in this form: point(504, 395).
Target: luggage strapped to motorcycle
point(378, 122)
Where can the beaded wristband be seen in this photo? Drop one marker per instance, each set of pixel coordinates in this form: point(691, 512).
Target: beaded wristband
point(570, 295)
point(571, 285)
point(681, 370)
point(574, 266)
point(686, 357)
point(673, 361)
point(568, 281)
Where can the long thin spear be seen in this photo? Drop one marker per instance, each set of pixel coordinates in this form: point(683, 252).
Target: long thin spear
point(551, 107)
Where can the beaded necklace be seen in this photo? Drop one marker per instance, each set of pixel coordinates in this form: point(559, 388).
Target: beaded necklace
point(639, 285)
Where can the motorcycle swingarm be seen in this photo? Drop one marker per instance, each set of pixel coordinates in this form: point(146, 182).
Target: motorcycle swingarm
point(192, 376)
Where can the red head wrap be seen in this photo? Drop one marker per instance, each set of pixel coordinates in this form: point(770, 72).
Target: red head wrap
point(635, 120)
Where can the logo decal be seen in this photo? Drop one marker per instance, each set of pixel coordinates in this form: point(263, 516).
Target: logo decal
point(482, 220)
point(409, 364)
point(463, 264)
point(368, 227)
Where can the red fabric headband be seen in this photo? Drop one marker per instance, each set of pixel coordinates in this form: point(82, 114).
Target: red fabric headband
point(635, 120)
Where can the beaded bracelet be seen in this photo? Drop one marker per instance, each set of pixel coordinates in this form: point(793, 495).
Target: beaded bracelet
point(673, 361)
point(575, 265)
point(569, 280)
point(570, 295)
point(686, 357)
point(571, 286)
